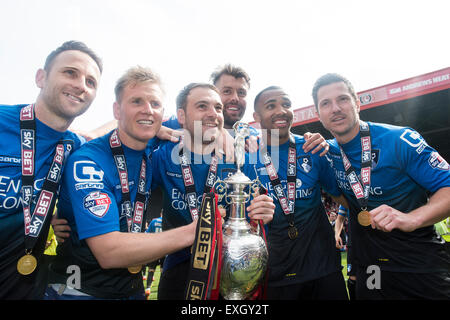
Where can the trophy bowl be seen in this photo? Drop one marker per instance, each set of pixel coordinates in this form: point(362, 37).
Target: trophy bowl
point(244, 261)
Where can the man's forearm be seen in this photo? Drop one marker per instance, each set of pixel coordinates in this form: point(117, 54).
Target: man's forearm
point(436, 210)
point(121, 249)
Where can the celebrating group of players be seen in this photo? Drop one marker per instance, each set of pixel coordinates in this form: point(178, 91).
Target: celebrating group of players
point(394, 184)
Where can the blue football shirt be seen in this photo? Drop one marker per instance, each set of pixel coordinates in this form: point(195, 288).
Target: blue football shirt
point(312, 254)
point(91, 200)
point(404, 170)
point(12, 284)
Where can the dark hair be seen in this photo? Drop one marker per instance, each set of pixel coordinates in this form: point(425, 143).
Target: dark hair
point(330, 78)
point(262, 91)
point(182, 96)
point(231, 70)
point(72, 45)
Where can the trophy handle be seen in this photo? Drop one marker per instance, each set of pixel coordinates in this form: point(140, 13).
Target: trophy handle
point(253, 189)
point(256, 184)
point(220, 188)
point(247, 199)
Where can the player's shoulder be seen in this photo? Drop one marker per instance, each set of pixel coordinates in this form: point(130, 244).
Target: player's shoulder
point(96, 150)
point(334, 146)
point(165, 155)
point(75, 139)
point(377, 131)
point(171, 122)
point(11, 107)
point(299, 139)
point(299, 142)
point(383, 132)
point(165, 148)
point(377, 128)
point(10, 112)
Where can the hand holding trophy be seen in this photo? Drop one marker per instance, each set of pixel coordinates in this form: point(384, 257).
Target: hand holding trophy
point(235, 258)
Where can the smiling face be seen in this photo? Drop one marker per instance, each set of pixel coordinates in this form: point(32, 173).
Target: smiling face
point(338, 111)
point(203, 109)
point(233, 93)
point(273, 110)
point(69, 86)
point(139, 113)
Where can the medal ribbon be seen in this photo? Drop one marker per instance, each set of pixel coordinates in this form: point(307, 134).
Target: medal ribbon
point(35, 222)
point(188, 180)
point(360, 187)
point(287, 203)
point(206, 257)
point(134, 218)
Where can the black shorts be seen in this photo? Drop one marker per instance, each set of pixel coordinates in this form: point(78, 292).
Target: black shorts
point(154, 264)
point(330, 287)
point(172, 284)
point(401, 285)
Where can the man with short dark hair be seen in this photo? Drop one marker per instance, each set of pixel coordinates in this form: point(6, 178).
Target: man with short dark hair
point(303, 261)
point(35, 143)
point(385, 172)
point(233, 84)
point(199, 110)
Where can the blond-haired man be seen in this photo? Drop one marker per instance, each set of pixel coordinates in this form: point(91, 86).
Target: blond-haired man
point(103, 198)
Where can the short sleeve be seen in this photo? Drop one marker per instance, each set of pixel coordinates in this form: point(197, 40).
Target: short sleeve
point(91, 197)
point(327, 177)
point(420, 161)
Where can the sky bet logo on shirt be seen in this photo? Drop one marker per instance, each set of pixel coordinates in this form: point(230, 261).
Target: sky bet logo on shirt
point(437, 162)
point(97, 203)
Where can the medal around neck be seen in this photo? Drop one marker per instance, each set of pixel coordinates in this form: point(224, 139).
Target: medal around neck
point(360, 185)
point(26, 265)
point(292, 232)
point(134, 269)
point(364, 218)
point(244, 253)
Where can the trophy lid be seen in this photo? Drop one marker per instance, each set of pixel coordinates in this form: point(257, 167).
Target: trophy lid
point(238, 178)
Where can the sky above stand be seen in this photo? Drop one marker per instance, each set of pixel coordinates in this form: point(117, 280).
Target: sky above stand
point(284, 43)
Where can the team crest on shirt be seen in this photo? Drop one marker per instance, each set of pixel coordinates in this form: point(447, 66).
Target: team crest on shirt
point(375, 157)
point(437, 162)
point(305, 163)
point(97, 203)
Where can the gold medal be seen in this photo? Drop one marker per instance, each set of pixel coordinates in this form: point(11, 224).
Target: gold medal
point(292, 232)
point(364, 218)
point(26, 265)
point(135, 269)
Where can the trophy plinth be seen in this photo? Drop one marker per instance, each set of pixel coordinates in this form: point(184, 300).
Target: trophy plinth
point(244, 253)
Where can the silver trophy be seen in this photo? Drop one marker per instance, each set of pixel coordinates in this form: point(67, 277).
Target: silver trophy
point(244, 252)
